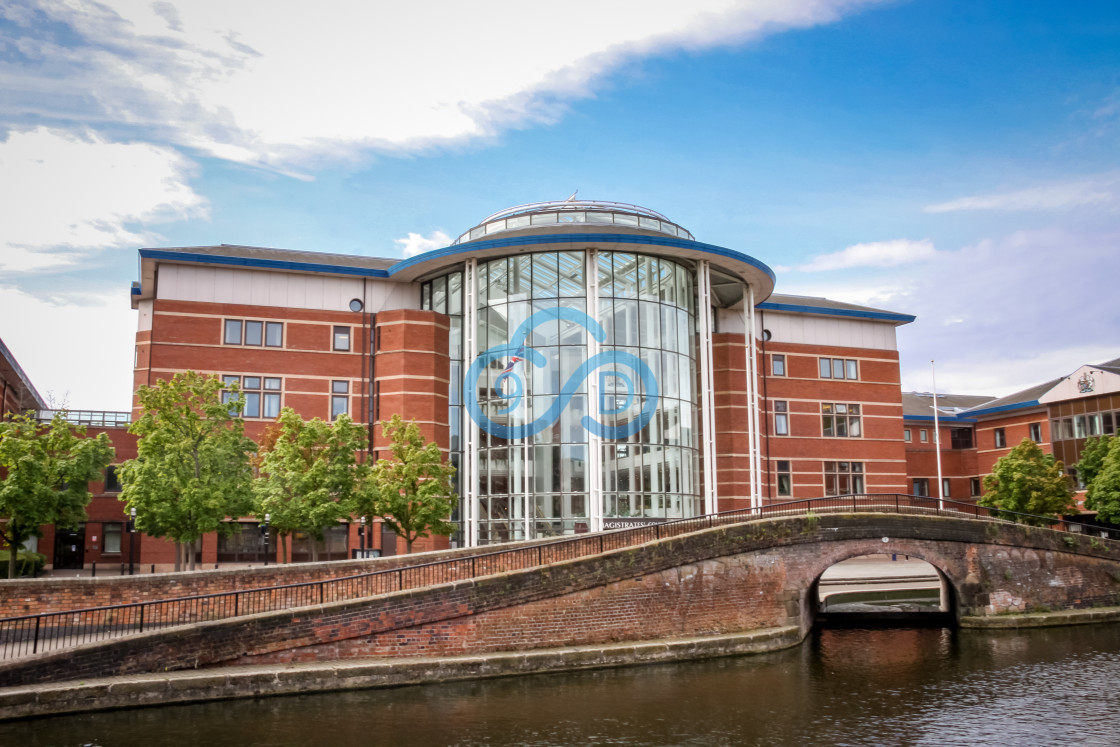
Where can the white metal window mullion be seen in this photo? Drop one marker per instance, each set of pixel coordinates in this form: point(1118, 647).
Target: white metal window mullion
point(470, 435)
point(594, 441)
point(707, 414)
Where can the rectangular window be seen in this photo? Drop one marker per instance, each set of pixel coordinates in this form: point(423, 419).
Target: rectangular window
point(843, 478)
point(840, 420)
point(258, 403)
point(112, 538)
point(781, 418)
point(1106, 424)
point(961, 438)
point(112, 484)
point(1080, 426)
point(232, 334)
point(839, 368)
point(1001, 438)
point(1094, 425)
point(254, 333)
point(340, 399)
point(906, 435)
point(1036, 432)
point(341, 338)
point(785, 479)
point(944, 487)
point(923, 435)
point(974, 486)
point(921, 487)
point(274, 334)
point(778, 365)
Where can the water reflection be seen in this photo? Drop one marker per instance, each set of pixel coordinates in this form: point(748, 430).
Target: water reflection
point(849, 687)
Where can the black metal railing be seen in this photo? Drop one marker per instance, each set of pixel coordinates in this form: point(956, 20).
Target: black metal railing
point(50, 631)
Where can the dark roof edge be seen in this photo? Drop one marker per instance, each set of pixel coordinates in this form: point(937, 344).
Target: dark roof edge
point(23, 377)
point(881, 316)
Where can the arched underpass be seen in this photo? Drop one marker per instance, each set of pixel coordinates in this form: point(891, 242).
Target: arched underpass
point(884, 590)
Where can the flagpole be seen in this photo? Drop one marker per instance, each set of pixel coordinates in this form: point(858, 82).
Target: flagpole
point(937, 436)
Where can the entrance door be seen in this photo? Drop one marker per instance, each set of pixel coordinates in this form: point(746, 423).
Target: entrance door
point(388, 540)
point(69, 547)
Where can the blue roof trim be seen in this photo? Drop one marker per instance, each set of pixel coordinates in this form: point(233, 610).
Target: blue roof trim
point(886, 316)
point(135, 290)
point(1005, 408)
point(940, 418)
point(580, 238)
point(268, 264)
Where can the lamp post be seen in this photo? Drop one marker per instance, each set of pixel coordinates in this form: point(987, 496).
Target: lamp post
point(362, 538)
point(131, 539)
point(264, 529)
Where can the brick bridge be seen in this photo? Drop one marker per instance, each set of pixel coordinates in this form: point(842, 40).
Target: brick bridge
point(733, 578)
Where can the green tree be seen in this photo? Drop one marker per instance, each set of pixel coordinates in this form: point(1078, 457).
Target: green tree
point(308, 474)
point(192, 470)
point(1104, 491)
point(46, 474)
point(412, 492)
point(1028, 481)
point(1092, 458)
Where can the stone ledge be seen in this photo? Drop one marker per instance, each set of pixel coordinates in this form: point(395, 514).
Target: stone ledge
point(252, 681)
point(1043, 619)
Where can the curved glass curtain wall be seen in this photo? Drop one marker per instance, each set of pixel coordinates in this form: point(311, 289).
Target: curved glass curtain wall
point(533, 466)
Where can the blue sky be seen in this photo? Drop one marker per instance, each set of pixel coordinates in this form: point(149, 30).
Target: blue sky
point(959, 161)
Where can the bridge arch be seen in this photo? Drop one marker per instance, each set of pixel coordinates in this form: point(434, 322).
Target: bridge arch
point(892, 579)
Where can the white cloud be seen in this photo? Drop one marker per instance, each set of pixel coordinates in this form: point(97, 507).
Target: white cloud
point(414, 243)
point(999, 315)
point(63, 195)
point(1101, 191)
point(873, 254)
point(267, 81)
point(78, 346)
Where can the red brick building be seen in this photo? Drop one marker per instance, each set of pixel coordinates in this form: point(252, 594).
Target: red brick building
point(585, 365)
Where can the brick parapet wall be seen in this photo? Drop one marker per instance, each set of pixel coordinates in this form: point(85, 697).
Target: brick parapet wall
point(719, 580)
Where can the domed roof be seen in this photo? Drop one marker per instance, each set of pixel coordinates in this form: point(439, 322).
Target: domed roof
point(573, 212)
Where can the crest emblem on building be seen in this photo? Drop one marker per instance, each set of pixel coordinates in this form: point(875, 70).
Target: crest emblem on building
point(1086, 383)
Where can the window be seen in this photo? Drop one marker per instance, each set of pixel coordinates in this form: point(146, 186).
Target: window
point(840, 420)
point(341, 338)
point(111, 538)
point(781, 418)
point(340, 398)
point(261, 395)
point(961, 438)
point(923, 435)
point(1036, 432)
point(1001, 438)
point(232, 332)
point(906, 435)
point(251, 332)
point(974, 486)
point(921, 487)
point(1107, 423)
point(274, 334)
point(843, 478)
point(112, 484)
point(944, 487)
point(778, 365)
point(838, 368)
point(785, 479)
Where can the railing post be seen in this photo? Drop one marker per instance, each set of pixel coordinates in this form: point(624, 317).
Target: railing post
point(236, 603)
point(320, 592)
point(35, 646)
point(142, 617)
point(896, 503)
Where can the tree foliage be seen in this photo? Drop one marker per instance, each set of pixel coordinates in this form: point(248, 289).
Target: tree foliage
point(1092, 458)
point(1103, 495)
point(46, 474)
point(413, 490)
point(192, 469)
point(1028, 481)
point(308, 473)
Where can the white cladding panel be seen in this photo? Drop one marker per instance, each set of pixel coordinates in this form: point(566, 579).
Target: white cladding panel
point(1094, 380)
point(805, 329)
point(281, 289)
point(145, 322)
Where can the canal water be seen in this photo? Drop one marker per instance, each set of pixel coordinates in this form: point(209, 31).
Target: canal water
point(1058, 686)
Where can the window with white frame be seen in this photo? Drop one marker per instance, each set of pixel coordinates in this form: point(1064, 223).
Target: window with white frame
point(1001, 438)
point(1036, 432)
point(840, 420)
point(340, 398)
point(906, 435)
point(944, 487)
point(341, 338)
point(111, 538)
point(778, 365)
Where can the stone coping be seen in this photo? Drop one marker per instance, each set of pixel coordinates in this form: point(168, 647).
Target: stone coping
point(224, 683)
point(1043, 619)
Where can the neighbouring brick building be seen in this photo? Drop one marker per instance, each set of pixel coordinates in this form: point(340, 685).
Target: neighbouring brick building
point(585, 365)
